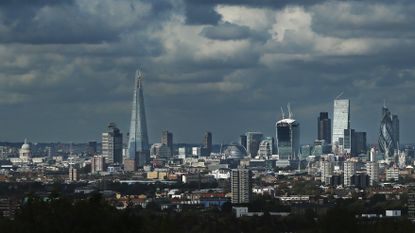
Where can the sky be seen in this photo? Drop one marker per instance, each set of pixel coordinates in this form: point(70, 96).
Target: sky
point(67, 67)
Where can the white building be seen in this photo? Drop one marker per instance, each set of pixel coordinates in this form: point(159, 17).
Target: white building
point(25, 153)
point(326, 168)
point(372, 169)
point(349, 169)
point(392, 174)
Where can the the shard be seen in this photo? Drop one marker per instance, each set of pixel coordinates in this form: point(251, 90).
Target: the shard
point(138, 148)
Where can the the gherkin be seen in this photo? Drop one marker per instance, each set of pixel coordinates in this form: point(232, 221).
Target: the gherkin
point(388, 136)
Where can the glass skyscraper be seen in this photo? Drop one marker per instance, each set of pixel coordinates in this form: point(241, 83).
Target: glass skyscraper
point(288, 139)
point(341, 122)
point(388, 133)
point(138, 148)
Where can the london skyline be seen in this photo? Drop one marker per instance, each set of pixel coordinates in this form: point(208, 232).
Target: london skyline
point(212, 71)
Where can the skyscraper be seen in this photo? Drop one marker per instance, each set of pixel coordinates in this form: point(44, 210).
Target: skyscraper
point(243, 140)
point(207, 143)
point(253, 139)
point(395, 129)
point(112, 144)
point(288, 138)
point(341, 122)
point(388, 133)
point(138, 148)
point(359, 143)
point(241, 185)
point(167, 139)
point(324, 127)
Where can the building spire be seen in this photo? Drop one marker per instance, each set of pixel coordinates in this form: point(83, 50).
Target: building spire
point(138, 78)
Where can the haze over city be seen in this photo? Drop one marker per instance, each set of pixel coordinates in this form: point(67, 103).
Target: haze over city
point(68, 67)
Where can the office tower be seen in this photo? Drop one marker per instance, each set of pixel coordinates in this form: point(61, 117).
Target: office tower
point(326, 168)
point(73, 174)
point(253, 139)
point(97, 163)
point(92, 148)
point(138, 148)
point(207, 143)
point(372, 169)
point(341, 121)
point(243, 141)
point(395, 129)
point(349, 169)
point(359, 144)
point(288, 138)
point(324, 127)
point(167, 139)
point(112, 144)
point(388, 133)
point(241, 185)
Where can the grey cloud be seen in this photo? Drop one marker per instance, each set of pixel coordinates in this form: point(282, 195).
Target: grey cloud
point(74, 74)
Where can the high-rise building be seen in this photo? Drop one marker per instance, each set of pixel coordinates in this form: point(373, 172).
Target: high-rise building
point(349, 169)
point(243, 141)
point(359, 145)
point(112, 144)
point(324, 127)
point(372, 169)
point(92, 148)
point(395, 129)
point(388, 133)
point(167, 139)
point(97, 164)
point(326, 168)
point(207, 143)
point(253, 139)
point(341, 122)
point(288, 138)
point(138, 147)
point(73, 174)
point(241, 185)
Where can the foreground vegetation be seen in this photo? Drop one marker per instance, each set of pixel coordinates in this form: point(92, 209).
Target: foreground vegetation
point(62, 215)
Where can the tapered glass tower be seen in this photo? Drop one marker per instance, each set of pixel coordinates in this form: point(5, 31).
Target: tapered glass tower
point(388, 133)
point(138, 149)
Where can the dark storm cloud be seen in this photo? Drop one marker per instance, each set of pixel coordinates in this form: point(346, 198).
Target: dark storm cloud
point(224, 66)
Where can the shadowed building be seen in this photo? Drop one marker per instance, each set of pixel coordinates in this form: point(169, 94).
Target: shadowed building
point(324, 127)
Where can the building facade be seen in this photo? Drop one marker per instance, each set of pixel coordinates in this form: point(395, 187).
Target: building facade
point(167, 139)
point(324, 127)
point(241, 185)
point(288, 139)
point(253, 139)
point(138, 146)
point(349, 169)
point(388, 134)
point(112, 145)
point(341, 122)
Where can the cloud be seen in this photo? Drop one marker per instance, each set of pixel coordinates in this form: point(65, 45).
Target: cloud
point(224, 66)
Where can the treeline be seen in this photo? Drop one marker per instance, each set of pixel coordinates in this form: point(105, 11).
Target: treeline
point(62, 215)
